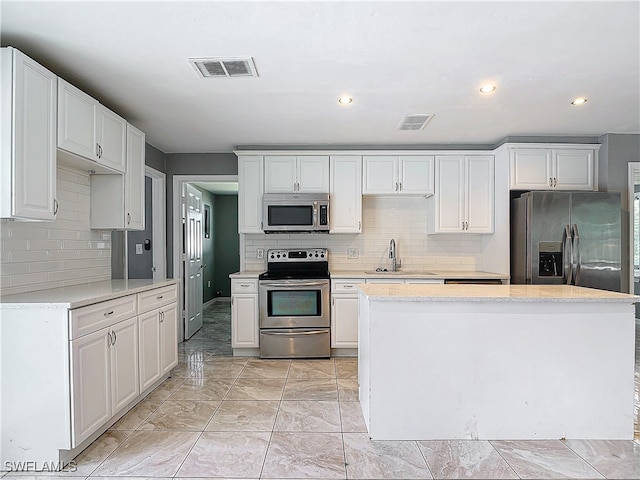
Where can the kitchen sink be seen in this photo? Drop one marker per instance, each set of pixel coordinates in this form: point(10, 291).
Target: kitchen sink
point(402, 273)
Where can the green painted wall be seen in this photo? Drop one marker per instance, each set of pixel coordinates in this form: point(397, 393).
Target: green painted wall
point(227, 241)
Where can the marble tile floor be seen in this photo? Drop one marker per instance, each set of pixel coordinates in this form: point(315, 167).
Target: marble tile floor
point(224, 417)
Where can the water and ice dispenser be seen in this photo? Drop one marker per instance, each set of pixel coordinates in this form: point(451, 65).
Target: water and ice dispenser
point(550, 259)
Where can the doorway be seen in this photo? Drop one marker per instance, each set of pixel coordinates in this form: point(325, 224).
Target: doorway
point(215, 192)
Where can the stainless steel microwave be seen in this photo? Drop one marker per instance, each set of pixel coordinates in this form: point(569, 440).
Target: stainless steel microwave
point(295, 212)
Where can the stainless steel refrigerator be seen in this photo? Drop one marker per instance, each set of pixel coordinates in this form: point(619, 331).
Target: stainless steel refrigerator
point(569, 238)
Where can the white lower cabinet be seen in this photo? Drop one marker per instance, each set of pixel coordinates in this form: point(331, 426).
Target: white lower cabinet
point(105, 376)
point(245, 330)
point(344, 313)
point(158, 344)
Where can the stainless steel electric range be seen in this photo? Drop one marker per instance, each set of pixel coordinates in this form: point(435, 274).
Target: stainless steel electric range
point(294, 304)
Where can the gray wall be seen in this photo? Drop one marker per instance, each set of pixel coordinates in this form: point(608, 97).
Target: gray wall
point(154, 158)
point(227, 241)
point(192, 164)
point(140, 266)
point(616, 152)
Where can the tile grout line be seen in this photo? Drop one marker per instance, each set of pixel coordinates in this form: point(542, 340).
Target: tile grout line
point(504, 459)
point(581, 458)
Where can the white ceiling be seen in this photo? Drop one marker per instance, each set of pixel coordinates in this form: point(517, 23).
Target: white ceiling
point(394, 58)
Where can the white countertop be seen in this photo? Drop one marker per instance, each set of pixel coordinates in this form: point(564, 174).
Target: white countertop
point(81, 295)
point(429, 274)
point(492, 293)
point(426, 274)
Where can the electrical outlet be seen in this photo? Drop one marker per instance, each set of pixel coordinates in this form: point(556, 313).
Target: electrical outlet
point(209, 284)
point(138, 249)
point(260, 253)
point(352, 253)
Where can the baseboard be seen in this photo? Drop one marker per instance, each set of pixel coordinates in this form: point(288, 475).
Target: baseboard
point(216, 300)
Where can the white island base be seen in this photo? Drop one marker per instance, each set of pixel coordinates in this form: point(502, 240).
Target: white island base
point(486, 362)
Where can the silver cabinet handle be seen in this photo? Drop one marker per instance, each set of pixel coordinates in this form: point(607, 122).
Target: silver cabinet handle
point(98, 150)
point(109, 339)
point(555, 182)
point(400, 186)
point(128, 218)
point(160, 297)
point(550, 182)
point(106, 314)
point(115, 338)
point(55, 206)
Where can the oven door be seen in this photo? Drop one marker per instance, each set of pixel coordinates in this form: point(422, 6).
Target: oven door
point(294, 303)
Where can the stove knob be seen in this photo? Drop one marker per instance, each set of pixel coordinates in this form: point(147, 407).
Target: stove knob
point(278, 255)
point(322, 255)
point(284, 255)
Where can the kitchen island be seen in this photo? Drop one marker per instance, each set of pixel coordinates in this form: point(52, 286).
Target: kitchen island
point(495, 362)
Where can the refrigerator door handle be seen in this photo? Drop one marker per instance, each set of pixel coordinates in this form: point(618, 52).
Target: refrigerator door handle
point(575, 249)
point(567, 257)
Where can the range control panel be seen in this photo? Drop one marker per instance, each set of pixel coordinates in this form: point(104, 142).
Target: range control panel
point(291, 255)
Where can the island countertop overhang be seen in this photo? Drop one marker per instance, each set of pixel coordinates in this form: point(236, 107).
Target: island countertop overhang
point(491, 293)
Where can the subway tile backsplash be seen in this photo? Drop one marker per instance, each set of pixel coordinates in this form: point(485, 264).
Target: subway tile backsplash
point(40, 255)
point(401, 218)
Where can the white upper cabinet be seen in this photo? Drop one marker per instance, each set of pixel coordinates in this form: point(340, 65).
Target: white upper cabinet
point(398, 174)
point(559, 168)
point(117, 201)
point(28, 150)
point(296, 174)
point(134, 180)
point(250, 188)
point(89, 130)
point(345, 196)
point(464, 196)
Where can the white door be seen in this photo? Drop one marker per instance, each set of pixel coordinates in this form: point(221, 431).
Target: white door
point(192, 250)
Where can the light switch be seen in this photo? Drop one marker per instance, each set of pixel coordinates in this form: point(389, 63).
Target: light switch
point(138, 249)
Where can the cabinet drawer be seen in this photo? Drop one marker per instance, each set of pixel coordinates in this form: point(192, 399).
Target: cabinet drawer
point(244, 286)
point(156, 298)
point(346, 285)
point(91, 318)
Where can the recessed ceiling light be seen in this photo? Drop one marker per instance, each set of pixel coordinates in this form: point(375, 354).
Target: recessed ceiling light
point(487, 88)
point(579, 101)
point(345, 100)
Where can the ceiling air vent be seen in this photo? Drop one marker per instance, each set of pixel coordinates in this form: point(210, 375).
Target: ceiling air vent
point(224, 67)
point(415, 121)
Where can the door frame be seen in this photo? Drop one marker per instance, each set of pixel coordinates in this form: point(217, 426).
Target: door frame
point(158, 214)
point(634, 171)
point(178, 273)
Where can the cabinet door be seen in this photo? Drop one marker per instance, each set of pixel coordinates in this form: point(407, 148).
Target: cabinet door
point(345, 209)
point(76, 121)
point(250, 188)
point(149, 348)
point(169, 337)
point(279, 174)
point(111, 136)
point(313, 174)
point(244, 321)
point(449, 196)
point(91, 383)
point(416, 174)
point(28, 173)
point(531, 169)
point(573, 169)
point(380, 175)
point(479, 197)
point(344, 321)
point(125, 385)
point(134, 180)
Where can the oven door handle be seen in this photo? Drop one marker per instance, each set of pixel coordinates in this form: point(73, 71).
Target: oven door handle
point(294, 334)
point(293, 283)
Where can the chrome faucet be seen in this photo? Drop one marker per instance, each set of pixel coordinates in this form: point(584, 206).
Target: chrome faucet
point(392, 255)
